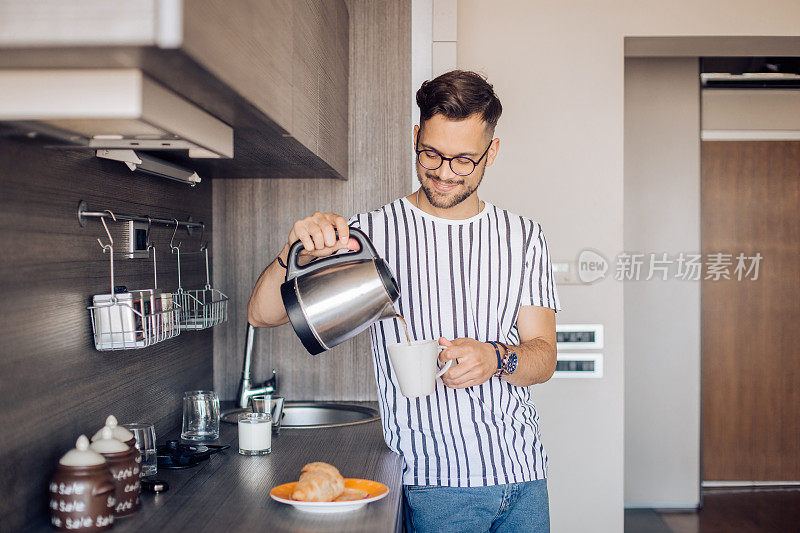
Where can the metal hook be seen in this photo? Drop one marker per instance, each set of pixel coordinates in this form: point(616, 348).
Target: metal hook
point(147, 235)
point(110, 238)
point(110, 248)
point(172, 246)
point(203, 245)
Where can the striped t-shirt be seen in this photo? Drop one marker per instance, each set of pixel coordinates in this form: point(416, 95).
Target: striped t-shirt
point(460, 278)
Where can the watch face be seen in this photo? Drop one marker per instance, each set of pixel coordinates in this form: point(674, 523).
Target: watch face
point(511, 363)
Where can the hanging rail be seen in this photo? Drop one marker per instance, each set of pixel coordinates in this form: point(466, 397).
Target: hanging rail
point(84, 213)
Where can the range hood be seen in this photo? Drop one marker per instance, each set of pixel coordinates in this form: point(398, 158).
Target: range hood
point(110, 109)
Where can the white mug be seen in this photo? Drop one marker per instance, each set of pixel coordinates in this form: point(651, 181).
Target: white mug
point(416, 366)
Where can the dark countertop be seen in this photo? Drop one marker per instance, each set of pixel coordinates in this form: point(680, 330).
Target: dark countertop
point(230, 492)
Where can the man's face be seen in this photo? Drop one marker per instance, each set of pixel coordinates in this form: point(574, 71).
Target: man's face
point(443, 187)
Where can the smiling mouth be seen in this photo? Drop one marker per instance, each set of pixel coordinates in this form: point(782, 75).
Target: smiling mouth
point(443, 186)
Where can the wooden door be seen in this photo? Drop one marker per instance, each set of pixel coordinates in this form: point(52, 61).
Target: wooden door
point(751, 328)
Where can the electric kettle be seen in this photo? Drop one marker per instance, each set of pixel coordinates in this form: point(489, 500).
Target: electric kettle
point(334, 298)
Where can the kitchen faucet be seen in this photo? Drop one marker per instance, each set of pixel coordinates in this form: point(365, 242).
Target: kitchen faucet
point(246, 388)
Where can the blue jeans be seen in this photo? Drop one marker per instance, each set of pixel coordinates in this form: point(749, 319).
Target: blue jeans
point(514, 507)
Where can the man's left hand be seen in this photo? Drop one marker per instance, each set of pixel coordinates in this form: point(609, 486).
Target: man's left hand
point(477, 362)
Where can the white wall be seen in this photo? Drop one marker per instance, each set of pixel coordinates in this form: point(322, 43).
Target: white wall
point(421, 59)
point(662, 318)
point(558, 68)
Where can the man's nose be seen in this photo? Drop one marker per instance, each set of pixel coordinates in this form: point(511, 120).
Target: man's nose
point(445, 173)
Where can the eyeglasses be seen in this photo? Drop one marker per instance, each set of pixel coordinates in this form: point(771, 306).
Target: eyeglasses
point(461, 165)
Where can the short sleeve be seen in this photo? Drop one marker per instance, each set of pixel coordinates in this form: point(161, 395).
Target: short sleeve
point(538, 285)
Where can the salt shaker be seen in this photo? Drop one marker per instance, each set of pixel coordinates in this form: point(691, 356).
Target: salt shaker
point(124, 470)
point(123, 435)
point(117, 432)
point(82, 491)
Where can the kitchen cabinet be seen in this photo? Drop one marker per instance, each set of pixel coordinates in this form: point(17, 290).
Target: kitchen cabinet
point(276, 71)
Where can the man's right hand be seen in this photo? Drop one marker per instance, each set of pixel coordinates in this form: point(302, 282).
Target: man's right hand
point(318, 235)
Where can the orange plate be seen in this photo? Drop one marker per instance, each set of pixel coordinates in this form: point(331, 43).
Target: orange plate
point(375, 491)
point(372, 488)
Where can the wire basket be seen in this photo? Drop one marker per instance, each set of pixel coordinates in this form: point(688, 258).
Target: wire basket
point(117, 324)
point(132, 319)
point(201, 309)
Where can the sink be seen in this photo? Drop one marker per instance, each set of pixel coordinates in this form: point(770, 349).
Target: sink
point(309, 415)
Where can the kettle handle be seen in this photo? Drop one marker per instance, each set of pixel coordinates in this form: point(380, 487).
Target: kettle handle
point(366, 251)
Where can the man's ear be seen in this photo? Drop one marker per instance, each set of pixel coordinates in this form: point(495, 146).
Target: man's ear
point(415, 134)
point(492, 153)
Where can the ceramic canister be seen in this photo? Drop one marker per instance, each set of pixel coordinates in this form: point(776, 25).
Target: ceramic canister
point(121, 462)
point(121, 434)
point(82, 491)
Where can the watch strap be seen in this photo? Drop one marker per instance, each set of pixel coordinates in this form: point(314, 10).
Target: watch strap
point(504, 370)
point(499, 358)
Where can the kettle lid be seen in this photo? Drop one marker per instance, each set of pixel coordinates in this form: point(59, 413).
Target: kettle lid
point(81, 455)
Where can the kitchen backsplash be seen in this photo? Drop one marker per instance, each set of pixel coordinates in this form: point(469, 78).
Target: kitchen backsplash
point(54, 384)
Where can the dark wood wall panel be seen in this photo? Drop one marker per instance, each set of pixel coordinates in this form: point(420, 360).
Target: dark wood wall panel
point(287, 57)
point(253, 217)
point(751, 401)
point(55, 385)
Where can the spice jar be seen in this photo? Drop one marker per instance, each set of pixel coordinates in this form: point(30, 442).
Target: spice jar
point(121, 434)
point(121, 461)
point(82, 491)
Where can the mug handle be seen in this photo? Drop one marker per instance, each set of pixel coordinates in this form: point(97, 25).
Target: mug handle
point(447, 365)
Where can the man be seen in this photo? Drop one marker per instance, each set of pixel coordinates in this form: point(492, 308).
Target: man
point(479, 279)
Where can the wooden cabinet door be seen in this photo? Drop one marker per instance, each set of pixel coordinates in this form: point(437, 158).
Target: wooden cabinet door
point(290, 59)
point(750, 356)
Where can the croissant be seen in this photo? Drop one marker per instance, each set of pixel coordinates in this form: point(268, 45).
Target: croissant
point(319, 482)
point(351, 494)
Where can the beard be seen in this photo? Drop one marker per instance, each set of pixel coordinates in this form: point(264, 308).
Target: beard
point(442, 200)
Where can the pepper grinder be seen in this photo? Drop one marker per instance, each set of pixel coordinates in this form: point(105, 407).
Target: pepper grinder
point(82, 491)
point(124, 469)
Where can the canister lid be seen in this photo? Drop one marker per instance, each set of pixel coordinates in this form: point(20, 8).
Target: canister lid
point(81, 455)
point(117, 432)
point(107, 443)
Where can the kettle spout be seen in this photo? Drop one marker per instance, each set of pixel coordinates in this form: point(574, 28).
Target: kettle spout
point(388, 311)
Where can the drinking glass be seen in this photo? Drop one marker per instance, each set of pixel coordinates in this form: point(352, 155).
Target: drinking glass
point(200, 415)
point(261, 404)
point(145, 435)
point(255, 433)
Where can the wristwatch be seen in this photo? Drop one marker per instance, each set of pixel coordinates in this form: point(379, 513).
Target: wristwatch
point(506, 364)
point(509, 363)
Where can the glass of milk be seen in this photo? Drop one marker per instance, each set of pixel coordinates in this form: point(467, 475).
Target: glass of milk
point(255, 433)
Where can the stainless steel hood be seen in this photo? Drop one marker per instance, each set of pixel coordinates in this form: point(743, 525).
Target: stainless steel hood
point(110, 108)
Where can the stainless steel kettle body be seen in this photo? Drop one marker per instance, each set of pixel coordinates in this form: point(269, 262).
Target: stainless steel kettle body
point(335, 298)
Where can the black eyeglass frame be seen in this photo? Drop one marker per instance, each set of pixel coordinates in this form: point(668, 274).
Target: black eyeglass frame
point(450, 159)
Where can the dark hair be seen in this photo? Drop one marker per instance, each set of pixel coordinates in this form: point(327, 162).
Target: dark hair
point(457, 95)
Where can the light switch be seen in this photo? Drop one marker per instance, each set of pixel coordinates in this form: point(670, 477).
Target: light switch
point(579, 336)
point(579, 365)
point(565, 273)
